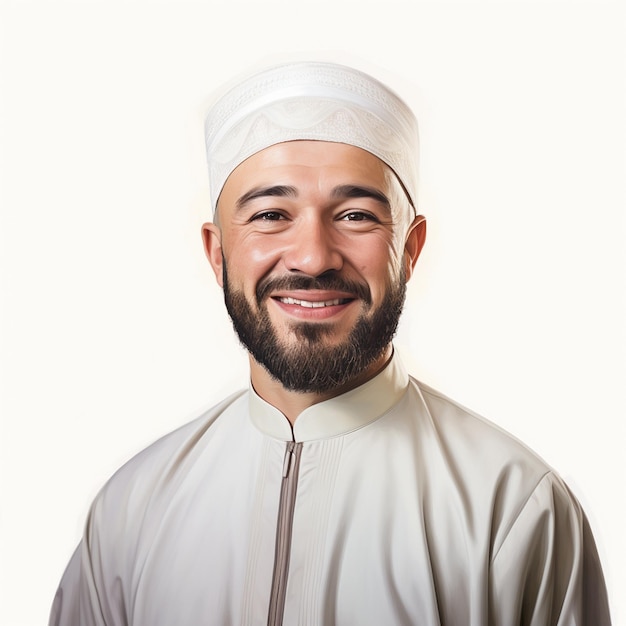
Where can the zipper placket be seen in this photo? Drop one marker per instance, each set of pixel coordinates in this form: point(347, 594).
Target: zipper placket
point(288, 488)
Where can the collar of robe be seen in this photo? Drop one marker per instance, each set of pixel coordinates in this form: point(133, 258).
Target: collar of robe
point(337, 416)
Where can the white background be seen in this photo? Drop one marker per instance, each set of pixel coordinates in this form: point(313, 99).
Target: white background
point(113, 330)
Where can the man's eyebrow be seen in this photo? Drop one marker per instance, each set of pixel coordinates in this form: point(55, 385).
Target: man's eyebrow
point(360, 191)
point(280, 191)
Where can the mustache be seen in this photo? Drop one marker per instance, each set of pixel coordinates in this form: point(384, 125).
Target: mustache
point(330, 282)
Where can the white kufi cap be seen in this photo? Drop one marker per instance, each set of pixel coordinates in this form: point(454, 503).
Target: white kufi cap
point(315, 101)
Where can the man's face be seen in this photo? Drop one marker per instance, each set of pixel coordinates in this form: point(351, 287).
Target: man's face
point(313, 256)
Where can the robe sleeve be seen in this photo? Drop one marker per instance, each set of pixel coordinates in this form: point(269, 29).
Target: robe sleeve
point(88, 594)
point(65, 607)
point(77, 601)
point(547, 571)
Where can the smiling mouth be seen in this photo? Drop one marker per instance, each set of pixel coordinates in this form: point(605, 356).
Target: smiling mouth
point(315, 304)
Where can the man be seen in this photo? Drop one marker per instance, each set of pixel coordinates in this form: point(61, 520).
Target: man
point(336, 489)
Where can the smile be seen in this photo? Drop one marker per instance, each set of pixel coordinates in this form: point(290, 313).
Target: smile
point(314, 305)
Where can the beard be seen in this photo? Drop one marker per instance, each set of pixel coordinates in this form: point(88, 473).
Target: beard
point(310, 364)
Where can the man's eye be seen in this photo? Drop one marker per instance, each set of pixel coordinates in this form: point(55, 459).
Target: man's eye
point(358, 216)
point(267, 216)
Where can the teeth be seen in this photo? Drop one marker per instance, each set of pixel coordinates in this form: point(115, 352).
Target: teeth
point(311, 305)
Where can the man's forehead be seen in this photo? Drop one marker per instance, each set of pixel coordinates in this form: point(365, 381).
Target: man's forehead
point(292, 169)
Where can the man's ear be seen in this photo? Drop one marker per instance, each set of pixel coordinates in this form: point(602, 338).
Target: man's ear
point(212, 239)
point(414, 243)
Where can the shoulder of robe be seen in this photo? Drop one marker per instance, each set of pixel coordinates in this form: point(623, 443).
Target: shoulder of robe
point(480, 439)
point(152, 472)
point(496, 468)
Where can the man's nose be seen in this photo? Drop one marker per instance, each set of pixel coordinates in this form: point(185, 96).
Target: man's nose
point(312, 250)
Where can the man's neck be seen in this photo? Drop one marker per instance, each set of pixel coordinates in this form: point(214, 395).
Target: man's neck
point(292, 403)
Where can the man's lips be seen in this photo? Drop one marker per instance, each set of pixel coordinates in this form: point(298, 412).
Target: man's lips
point(314, 299)
point(313, 304)
point(309, 289)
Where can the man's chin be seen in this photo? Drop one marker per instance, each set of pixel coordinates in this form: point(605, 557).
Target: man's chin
point(317, 334)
